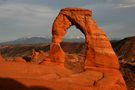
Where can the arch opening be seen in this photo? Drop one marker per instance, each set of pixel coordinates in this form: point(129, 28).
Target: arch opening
point(74, 47)
point(74, 33)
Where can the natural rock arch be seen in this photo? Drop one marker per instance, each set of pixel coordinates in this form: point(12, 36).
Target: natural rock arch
point(99, 52)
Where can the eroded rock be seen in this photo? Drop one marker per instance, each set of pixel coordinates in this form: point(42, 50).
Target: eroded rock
point(38, 57)
point(19, 59)
point(57, 78)
point(99, 52)
point(99, 57)
point(2, 59)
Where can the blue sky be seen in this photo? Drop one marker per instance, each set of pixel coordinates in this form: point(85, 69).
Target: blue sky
point(27, 18)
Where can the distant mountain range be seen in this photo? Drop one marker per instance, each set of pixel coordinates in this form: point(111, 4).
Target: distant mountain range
point(38, 40)
point(31, 40)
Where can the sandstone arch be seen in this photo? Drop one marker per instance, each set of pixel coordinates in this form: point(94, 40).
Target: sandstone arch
point(99, 52)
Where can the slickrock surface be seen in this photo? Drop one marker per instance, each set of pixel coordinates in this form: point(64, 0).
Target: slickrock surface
point(101, 70)
point(99, 52)
point(22, 76)
point(1, 58)
point(19, 59)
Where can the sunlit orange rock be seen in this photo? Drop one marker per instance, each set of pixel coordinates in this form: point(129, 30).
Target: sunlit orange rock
point(19, 59)
point(56, 53)
point(100, 56)
point(1, 58)
point(99, 52)
point(101, 62)
point(39, 56)
point(57, 78)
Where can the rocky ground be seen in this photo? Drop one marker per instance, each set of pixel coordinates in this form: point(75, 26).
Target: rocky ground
point(50, 76)
point(125, 50)
point(22, 54)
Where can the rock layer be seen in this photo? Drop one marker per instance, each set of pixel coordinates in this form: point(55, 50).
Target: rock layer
point(1, 58)
point(38, 57)
point(56, 78)
point(19, 59)
point(99, 52)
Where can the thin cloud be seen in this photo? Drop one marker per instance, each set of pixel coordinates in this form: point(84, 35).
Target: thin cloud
point(128, 1)
point(23, 9)
point(20, 18)
point(125, 6)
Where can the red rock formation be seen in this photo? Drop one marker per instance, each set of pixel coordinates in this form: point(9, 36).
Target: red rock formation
point(38, 57)
point(125, 48)
point(99, 51)
point(57, 78)
point(57, 54)
point(1, 58)
point(19, 59)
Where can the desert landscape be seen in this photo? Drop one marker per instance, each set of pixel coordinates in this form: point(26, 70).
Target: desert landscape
point(69, 65)
point(74, 51)
point(67, 45)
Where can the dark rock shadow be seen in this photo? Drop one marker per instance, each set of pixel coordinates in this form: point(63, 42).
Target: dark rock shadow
point(11, 84)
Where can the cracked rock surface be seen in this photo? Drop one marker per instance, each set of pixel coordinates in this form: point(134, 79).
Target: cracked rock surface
point(55, 77)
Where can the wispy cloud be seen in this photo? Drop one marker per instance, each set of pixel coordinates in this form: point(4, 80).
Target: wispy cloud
point(125, 5)
point(128, 1)
point(20, 18)
point(25, 8)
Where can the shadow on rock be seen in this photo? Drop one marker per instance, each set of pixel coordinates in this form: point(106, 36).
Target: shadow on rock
point(11, 84)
